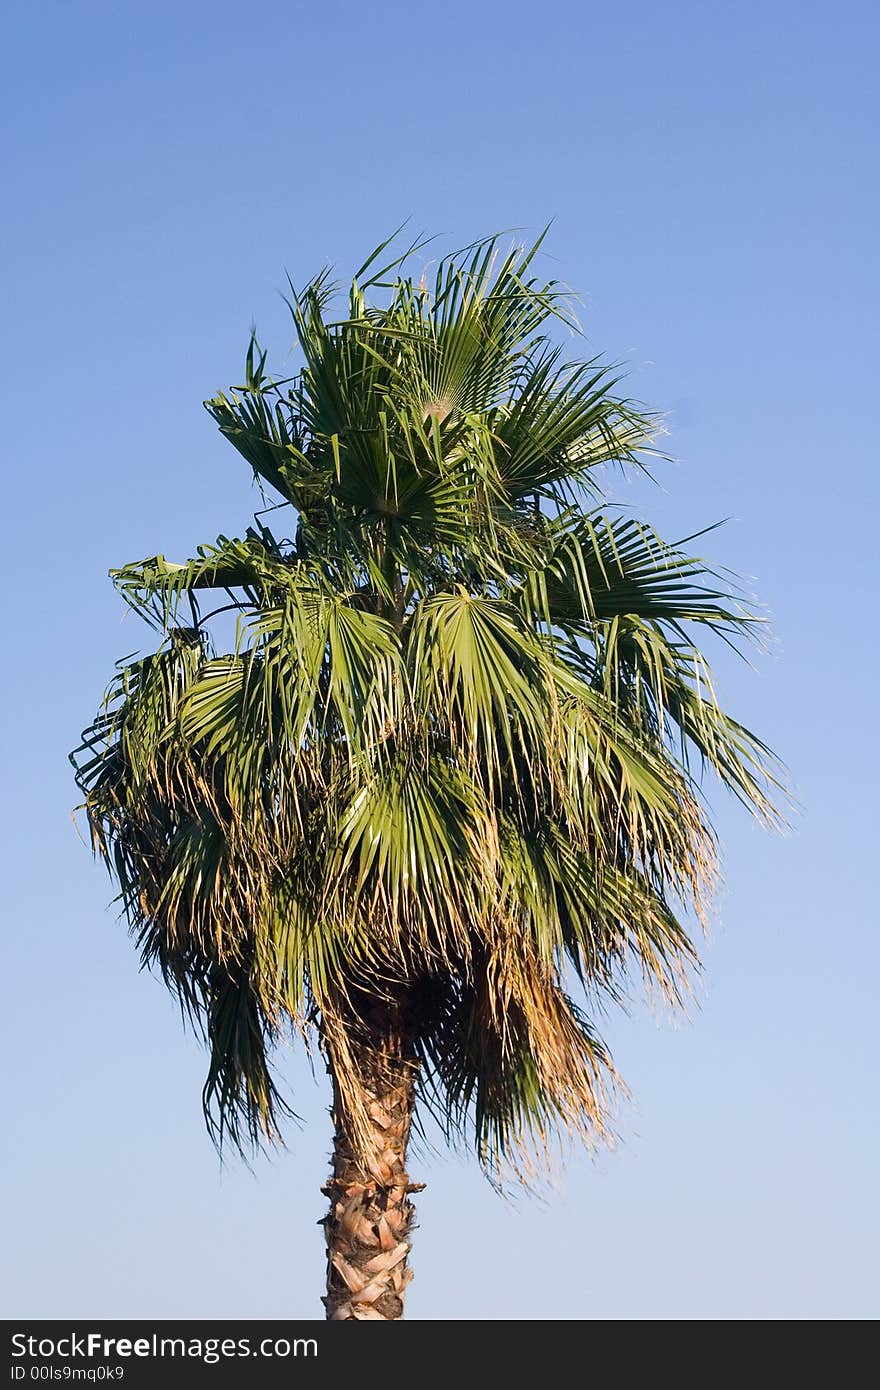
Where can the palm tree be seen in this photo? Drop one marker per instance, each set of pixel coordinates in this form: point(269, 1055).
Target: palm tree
point(444, 774)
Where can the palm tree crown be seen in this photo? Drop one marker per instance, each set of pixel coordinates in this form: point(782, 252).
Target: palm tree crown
point(447, 768)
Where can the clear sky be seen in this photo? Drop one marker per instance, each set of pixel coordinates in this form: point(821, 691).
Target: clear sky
point(712, 173)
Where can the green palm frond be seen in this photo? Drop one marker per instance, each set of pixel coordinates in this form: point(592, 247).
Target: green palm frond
point(451, 754)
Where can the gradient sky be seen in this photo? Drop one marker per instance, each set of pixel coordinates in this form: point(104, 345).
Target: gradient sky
point(711, 170)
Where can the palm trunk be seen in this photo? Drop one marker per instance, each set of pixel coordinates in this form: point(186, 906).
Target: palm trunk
point(371, 1216)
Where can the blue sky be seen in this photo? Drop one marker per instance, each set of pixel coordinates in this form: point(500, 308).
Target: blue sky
point(711, 173)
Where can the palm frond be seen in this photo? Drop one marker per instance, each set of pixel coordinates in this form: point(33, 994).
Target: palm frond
point(448, 762)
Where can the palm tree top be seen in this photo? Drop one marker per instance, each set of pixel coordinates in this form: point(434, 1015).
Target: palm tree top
point(449, 764)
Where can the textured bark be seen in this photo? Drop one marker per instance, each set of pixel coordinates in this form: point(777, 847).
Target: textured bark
point(370, 1218)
